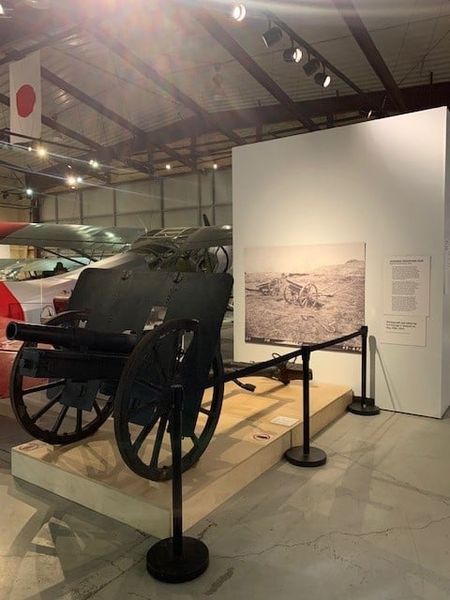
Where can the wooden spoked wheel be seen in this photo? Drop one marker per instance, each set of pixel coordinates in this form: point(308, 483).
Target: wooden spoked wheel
point(143, 402)
point(308, 296)
point(291, 294)
point(40, 409)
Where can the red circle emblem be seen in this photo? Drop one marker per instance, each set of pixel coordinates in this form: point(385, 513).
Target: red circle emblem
point(25, 100)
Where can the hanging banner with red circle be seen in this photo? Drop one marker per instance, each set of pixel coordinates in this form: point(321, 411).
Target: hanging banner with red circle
point(25, 98)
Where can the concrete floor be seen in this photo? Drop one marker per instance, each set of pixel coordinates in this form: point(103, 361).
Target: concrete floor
point(374, 523)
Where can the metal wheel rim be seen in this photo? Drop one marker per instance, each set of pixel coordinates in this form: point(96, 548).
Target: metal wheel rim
point(28, 421)
point(122, 426)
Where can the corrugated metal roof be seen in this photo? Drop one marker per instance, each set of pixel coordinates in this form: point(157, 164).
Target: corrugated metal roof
point(412, 36)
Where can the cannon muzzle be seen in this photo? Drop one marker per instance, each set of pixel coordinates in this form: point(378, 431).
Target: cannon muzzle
point(72, 337)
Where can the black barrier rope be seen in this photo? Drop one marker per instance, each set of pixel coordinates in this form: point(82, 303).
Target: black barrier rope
point(253, 369)
point(306, 455)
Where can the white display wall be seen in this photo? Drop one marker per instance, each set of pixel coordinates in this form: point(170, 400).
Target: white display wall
point(382, 182)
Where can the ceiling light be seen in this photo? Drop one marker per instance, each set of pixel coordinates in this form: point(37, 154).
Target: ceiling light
point(29, 192)
point(79, 179)
point(94, 164)
point(168, 166)
point(71, 180)
point(293, 54)
point(41, 151)
point(272, 36)
point(322, 79)
point(215, 166)
point(239, 12)
point(29, 148)
point(311, 66)
point(2, 10)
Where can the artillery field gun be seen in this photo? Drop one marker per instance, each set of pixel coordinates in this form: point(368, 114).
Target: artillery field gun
point(126, 339)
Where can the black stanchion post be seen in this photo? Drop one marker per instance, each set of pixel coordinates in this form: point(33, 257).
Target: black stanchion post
point(178, 558)
point(362, 405)
point(306, 455)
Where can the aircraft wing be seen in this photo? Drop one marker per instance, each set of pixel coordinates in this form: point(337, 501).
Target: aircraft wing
point(184, 238)
point(63, 235)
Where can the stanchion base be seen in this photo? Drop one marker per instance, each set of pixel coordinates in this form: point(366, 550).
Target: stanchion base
point(164, 566)
point(296, 456)
point(367, 409)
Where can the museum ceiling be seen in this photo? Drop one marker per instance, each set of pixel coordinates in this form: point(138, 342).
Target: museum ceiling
point(137, 85)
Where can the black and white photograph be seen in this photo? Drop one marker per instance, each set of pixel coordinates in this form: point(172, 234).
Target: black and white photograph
point(305, 294)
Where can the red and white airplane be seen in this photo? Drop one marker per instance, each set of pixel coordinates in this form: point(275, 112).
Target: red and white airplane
point(34, 300)
point(206, 248)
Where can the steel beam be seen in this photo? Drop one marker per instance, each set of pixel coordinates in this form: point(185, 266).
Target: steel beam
point(362, 37)
point(251, 66)
point(110, 114)
point(56, 126)
point(416, 97)
point(151, 73)
point(304, 44)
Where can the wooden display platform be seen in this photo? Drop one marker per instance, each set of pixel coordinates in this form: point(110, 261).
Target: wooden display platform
point(247, 442)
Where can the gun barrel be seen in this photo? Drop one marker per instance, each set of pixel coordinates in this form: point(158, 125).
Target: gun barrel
point(73, 337)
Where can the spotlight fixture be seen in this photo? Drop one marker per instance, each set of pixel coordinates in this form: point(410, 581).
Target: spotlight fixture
point(71, 180)
point(2, 10)
point(311, 66)
point(322, 79)
point(29, 192)
point(272, 36)
point(41, 151)
point(239, 12)
point(293, 54)
point(29, 149)
point(168, 166)
point(79, 179)
point(215, 166)
point(94, 164)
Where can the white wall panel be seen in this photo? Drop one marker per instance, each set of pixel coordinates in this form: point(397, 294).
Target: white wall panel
point(97, 201)
point(381, 182)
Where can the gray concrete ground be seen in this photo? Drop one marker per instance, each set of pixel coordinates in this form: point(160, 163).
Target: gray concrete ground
point(374, 523)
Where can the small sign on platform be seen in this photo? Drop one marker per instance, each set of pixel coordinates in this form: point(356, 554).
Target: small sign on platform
point(285, 421)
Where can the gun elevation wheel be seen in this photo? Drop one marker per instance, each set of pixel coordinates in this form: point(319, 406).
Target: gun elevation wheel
point(39, 409)
point(143, 401)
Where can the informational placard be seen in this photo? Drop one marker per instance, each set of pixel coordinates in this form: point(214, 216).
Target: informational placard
point(407, 331)
point(407, 285)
